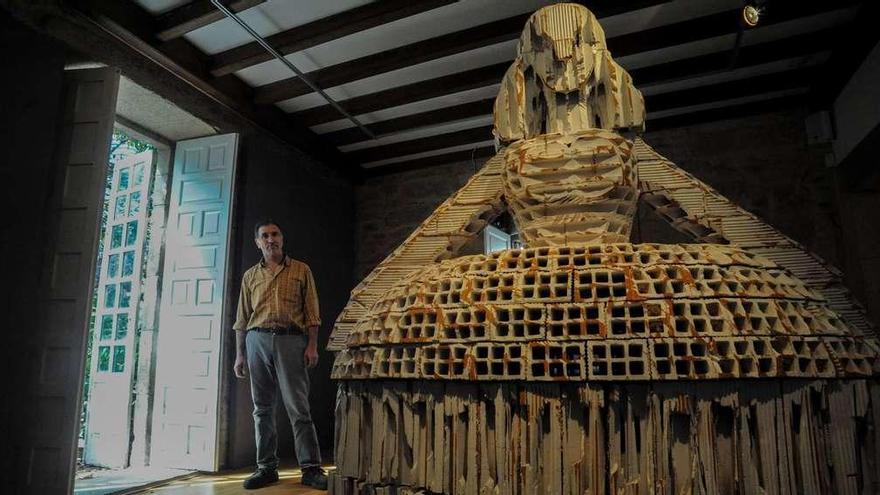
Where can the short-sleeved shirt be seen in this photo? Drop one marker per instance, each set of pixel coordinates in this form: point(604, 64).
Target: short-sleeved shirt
point(281, 297)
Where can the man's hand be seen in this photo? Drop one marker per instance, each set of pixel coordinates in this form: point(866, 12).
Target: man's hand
point(311, 355)
point(240, 367)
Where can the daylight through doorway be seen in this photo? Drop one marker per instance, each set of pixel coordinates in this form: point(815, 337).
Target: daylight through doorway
point(105, 434)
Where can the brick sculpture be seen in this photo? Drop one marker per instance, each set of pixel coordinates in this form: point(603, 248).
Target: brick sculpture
point(583, 363)
point(566, 189)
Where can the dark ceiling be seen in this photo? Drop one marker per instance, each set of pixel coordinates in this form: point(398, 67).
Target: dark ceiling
point(421, 75)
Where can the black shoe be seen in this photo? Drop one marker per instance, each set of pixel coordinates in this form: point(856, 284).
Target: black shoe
point(262, 477)
point(315, 477)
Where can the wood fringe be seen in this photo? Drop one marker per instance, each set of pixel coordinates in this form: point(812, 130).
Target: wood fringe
point(769, 437)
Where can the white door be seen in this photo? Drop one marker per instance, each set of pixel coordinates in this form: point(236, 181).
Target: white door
point(191, 317)
point(108, 417)
point(47, 452)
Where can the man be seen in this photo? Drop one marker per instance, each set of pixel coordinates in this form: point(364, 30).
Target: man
point(276, 334)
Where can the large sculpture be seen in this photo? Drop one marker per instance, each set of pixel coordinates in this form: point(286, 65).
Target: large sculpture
point(584, 363)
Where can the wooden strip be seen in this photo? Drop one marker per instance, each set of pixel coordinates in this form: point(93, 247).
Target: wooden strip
point(710, 26)
point(397, 58)
point(320, 31)
point(485, 446)
point(804, 446)
point(680, 69)
point(732, 89)
point(194, 15)
point(423, 51)
point(744, 228)
point(421, 145)
point(414, 121)
point(770, 468)
point(707, 477)
point(635, 461)
point(784, 445)
point(748, 56)
point(727, 112)
point(421, 163)
point(614, 447)
point(473, 422)
point(872, 449)
point(692, 96)
point(542, 441)
point(843, 438)
point(727, 22)
point(401, 95)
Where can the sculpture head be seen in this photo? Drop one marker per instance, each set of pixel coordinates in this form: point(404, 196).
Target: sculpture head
point(564, 80)
point(562, 44)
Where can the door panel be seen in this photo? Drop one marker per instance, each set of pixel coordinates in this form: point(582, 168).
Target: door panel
point(108, 418)
point(188, 366)
point(63, 303)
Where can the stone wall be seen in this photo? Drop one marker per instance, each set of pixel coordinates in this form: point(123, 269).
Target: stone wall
point(761, 162)
point(389, 207)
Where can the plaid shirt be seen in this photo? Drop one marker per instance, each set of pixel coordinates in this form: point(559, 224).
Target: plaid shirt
point(278, 298)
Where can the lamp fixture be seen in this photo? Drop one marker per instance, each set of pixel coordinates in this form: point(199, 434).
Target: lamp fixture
point(751, 15)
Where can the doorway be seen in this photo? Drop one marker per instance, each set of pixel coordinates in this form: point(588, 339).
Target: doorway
point(113, 443)
point(151, 384)
point(111, 351)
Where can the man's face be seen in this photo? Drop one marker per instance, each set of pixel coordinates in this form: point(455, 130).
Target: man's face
point(270, 240)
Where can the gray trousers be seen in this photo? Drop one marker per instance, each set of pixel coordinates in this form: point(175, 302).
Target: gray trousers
point(276, 362)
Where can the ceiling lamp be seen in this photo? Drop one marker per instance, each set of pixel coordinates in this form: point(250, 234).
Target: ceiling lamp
point(751, 15)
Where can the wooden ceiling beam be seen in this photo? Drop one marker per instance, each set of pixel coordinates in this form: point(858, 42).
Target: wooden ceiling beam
point(476, 154)
point(656, 125)
point(396, 58)
point(414, 121)
point(421, 145)
point(748, 56)
point(714, 25)
point(418, 91)
point(769, 83)
point(130, 29)
point(194, 15)
point(664, 36)
point(422, 51)
point(724, 113)
point(321, 31)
